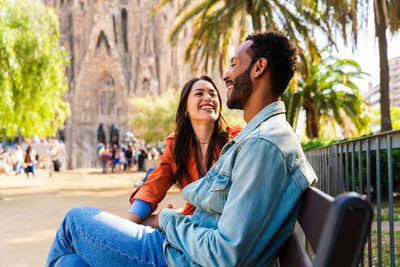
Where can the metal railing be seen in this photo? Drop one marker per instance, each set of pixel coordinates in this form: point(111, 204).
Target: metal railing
point(364, 165)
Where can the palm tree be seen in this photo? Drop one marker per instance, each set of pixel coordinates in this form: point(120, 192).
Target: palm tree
point(326, 90)
point(387, 15)
point(217, 22)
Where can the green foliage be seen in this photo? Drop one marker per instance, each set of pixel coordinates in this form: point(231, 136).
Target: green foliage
point(233, 117)
point(383, 171)
point(385, 245)
point(394, 115)
point(32, 70)
point(155, 117)
point(315, 143)
point(349, 17)
point(383, 167)
point(324, 88)
point(217, 22)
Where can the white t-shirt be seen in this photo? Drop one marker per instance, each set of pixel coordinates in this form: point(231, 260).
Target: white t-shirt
point(19, 155)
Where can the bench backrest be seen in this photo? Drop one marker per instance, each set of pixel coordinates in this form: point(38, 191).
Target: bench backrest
point(336, 229)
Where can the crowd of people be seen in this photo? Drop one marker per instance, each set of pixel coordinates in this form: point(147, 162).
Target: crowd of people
point(19, 161)
point(118, 158)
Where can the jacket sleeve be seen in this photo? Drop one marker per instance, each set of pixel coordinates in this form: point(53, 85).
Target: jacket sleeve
point(234, 131)
point(251, 211)
point(159, 180)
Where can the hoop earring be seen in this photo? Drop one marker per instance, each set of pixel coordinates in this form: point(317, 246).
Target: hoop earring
point(186, 114)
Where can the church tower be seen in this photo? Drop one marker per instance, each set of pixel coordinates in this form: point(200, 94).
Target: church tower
point(118, 51)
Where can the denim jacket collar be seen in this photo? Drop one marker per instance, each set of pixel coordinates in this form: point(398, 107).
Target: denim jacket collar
point(275, 108)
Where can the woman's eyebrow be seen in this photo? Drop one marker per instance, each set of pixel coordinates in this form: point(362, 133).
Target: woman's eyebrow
point(207, 89)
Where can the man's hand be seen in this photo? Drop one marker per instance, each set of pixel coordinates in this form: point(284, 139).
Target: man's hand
point(156, 223)
point(133, 217)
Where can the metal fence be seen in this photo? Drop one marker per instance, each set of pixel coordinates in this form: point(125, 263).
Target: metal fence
point(365, 165)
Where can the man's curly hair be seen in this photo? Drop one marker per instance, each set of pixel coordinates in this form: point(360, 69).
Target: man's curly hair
point(281, 57)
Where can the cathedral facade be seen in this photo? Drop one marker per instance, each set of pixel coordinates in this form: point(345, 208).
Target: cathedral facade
point(118, 51)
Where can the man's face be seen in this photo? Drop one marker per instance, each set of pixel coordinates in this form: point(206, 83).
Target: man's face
point(237, 78)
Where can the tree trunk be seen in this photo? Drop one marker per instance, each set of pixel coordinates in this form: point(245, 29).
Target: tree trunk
point(312, 121)
point(381, 23)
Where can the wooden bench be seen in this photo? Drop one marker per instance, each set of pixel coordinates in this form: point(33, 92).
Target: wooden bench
point(336, 229)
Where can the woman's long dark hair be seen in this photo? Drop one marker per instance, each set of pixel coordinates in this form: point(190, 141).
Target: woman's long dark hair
point(184, 134)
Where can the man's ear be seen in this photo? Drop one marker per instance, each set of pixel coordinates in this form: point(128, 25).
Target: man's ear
point(260, 67)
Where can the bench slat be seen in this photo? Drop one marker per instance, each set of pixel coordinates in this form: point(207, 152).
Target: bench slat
point(292, 253)
point(313, 213)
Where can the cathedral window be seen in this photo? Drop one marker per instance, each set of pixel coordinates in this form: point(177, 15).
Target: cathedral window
point(115, 30)
point(108, 81)
point(146, 85)
point(124, 24)
point(114, 134)
point(101, 135)
point(103, 39)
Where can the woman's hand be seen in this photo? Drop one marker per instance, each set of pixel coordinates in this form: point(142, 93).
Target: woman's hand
point(151, 220)
point(148, 221)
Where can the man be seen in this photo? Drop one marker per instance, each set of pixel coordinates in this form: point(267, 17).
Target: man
point(19, 158)
point(248, 202)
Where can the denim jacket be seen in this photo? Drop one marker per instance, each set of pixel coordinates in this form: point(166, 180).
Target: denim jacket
point(247, 203)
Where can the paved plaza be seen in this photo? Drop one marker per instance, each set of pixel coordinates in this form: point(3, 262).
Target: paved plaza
point(32, 209)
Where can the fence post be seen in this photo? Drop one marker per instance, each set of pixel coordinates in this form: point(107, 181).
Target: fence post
point(390, 185)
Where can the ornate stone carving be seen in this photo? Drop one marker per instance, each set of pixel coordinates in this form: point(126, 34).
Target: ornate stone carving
point(118, 51)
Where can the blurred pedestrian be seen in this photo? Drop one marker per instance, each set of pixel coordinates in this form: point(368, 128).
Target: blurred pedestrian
point(29, 162)
point(5, 162)
point(105, 158)
point(129, 158)
point(19, 158)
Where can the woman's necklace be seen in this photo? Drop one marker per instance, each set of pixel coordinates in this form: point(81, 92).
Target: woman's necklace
point(202, 143)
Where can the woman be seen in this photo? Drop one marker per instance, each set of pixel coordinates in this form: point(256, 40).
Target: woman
point(200, 127)
point(91, 237)
point(29, 162)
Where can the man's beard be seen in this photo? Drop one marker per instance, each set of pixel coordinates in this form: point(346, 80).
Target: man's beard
point(241, 91)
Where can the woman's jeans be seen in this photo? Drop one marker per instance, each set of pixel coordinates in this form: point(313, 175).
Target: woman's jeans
point(92, 237)
point(29, 169)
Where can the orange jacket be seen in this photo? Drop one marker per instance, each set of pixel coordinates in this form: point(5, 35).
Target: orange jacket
point(160, 180)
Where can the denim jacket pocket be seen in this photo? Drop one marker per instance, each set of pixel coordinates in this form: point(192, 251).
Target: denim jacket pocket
point(214, 200)
point(220, 182)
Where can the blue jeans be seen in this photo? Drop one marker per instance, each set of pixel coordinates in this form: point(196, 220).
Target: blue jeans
point(29, 169)
point(92, 237)
point(18, 167)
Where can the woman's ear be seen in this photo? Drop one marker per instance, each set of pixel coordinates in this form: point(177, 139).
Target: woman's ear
point(260, 67)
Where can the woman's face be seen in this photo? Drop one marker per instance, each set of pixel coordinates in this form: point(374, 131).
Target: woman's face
point(203, 104)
